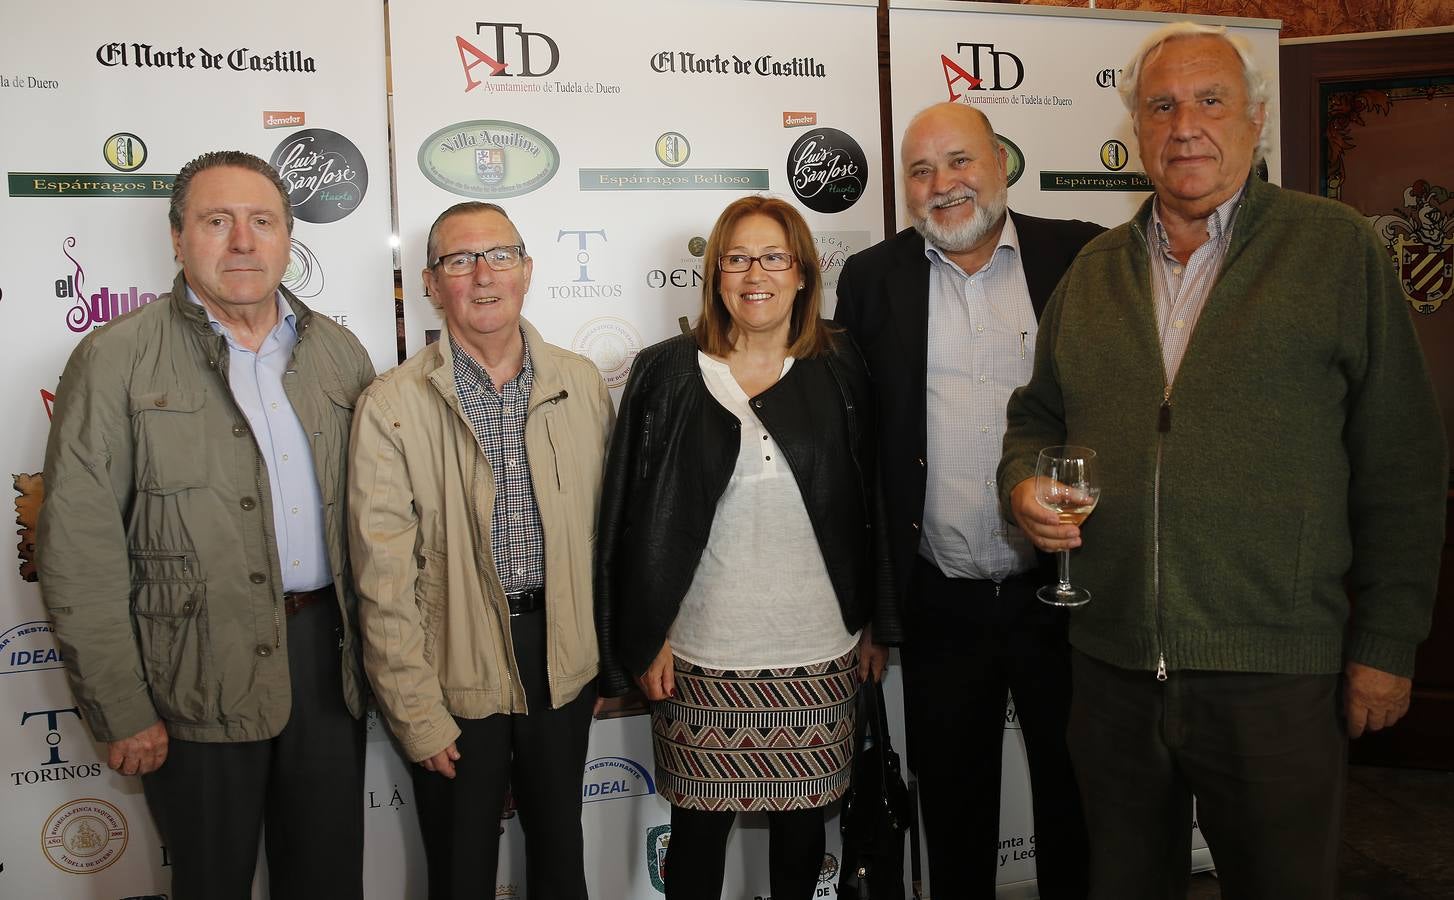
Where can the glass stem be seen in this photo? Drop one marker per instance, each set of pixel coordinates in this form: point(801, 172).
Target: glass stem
point(1062, 564)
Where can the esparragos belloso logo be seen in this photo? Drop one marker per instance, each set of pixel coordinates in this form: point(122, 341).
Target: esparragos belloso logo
point(324, 172)
point(91, 307)
point(583, 286)
point(52, 760)
point(615, 777)
point(827, 170)
point(84, 836)
point(124, 152)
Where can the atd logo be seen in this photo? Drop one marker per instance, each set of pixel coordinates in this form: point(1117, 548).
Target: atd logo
point(510, 37)
point(1002, 65)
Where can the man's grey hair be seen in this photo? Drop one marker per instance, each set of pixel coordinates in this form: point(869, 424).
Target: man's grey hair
point(235, 159)
point(1258, 89)
point(460, 209)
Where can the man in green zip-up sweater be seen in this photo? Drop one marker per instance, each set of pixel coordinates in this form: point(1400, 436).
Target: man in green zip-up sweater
point(1242, 361)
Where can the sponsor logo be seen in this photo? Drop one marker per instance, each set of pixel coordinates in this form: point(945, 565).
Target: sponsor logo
point(84, 837)
point(512, 43)
point(375, 730)
point(1114, 155)
point(99, 307)
point(390, 799)
point(614, 777)
point(697, 246)
point(49, 400)
point(828, 872)
point(29, 647)
point(54, 766)
point(1108, 78)
point(688, 62)
point(679, 277)
point(1012, 718)
point(507, 891)
point(87, 184)
point(799, 119)
point(124, 152)
point(827, 170)
point(275, 119)
point(488, 159)
point(1095, 181)
point(658, 837)
point(1014, 160)
point(834, 248)
point(29, 495)
point(672, 149)
point(673, 180)
point(324, 173)
point(1017, 848)
point(241, 59)
point(1002, 70)
point(303, 276)
point(583, 286)
point(1420, 238)
point(611, 343)
point(30, 82)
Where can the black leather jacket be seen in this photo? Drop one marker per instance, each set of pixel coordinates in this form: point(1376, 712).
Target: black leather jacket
point(671, 458)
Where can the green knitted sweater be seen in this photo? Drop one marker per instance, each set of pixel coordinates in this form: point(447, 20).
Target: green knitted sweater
point(1305, 458)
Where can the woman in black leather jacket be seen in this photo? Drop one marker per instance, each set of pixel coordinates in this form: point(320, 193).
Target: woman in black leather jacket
point(741, 576)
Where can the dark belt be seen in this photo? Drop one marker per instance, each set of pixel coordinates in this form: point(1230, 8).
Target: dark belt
point(522, 602)
point(295, 601)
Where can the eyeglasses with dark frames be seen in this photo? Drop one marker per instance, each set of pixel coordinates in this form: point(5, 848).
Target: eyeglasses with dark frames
point(500, 259)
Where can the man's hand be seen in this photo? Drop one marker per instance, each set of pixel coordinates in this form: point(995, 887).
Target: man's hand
point(872, 657)
point(1373, 698)
point(659, 680)
point(1040, 525)
point(140, 754)
point(442, 762)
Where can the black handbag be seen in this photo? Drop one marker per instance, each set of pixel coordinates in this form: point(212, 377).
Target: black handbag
point(877, 810)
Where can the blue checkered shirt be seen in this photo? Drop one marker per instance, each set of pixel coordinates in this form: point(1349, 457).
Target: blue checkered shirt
point(517, 540)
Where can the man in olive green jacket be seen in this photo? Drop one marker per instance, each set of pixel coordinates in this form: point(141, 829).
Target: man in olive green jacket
point(474, 487)
point(192, 551)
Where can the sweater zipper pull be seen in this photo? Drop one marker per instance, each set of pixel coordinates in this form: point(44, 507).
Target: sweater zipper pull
point(1163, 416)
point(1161, 667)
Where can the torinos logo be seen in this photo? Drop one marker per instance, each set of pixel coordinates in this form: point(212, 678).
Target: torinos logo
point(583, 286)
point(827, 170)
point(1114, 155)
point(511, 43)
point(29, 647)
point(273, 119)
point(672, 149)
point(124, 152)
point(614, 777)
point(488, 159)
point(100, 307)
point(1003, 69)
point(658, 838)
point(324, 172)
point(84, 837)
point(304, 275)
point(611, 343)
point(799, 119)
point(52, 766)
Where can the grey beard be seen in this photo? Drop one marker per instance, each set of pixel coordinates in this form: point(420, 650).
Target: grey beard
point(962, 237)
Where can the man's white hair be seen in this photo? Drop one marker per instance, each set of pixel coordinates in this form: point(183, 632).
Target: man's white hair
point(1258, 90)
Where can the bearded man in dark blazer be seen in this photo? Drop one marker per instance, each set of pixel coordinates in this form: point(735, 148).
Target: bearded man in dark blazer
point(945, 313)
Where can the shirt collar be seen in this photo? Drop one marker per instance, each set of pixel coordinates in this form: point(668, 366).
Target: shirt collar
point(1009, 240)
point(468, 366)
point(1218, 223)
point(286, 316)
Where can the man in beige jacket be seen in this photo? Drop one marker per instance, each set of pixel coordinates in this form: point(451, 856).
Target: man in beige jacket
point(473, 500)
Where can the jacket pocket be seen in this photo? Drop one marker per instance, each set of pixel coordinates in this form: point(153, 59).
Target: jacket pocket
point(429, 596)
point(171, 440)
point(172, 626)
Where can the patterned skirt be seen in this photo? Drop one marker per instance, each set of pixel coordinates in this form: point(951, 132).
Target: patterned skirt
point(750, 740)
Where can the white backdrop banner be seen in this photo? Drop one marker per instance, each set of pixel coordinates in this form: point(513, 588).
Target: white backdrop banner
point(102, 105)
point(1046, 77)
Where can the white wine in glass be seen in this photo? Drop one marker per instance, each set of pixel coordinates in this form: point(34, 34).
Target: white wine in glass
point(1066, 484)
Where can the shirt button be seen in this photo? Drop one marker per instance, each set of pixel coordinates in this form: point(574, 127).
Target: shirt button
point(272, 406)
point(984, 429)
point(757, 404)
point(915, 524)
point(519, 571)
point(264, 650)
point(285, 457)
point(983, 379)
point(257, 578)
point(296, 563)
point(764, 437)
point(979, 328)
point(1180, 323)
point(768, 458)
point(295, 510)
point(247, 503)
point(989, 482)
point(921, 462)
point(160, 401)
point(1176, 270)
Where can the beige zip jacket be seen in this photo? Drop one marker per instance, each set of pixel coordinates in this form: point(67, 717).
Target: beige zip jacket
point(435, 625)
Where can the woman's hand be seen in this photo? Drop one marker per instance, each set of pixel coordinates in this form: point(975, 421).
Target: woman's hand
point(872, 658)
point(659, 680)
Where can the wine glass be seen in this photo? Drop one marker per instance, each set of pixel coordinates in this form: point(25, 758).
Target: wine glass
point(1066, 484)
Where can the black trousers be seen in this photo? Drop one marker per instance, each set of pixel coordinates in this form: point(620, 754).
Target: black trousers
point(210, 800)
point(968, 644)
point(696, 858)
point(1264, 755)
point(540, 757)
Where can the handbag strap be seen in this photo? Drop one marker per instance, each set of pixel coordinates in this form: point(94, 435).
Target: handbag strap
point(878, 724)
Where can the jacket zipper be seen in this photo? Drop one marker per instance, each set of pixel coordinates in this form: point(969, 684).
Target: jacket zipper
point(555, 457)
point(1163, 427)
point(645, 445)
point(480, 550)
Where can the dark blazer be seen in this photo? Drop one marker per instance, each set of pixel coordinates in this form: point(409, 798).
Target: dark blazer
point(883, 301)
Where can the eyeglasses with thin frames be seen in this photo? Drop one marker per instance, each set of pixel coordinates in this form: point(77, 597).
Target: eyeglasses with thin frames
point(500, 259)
point(737, 263)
